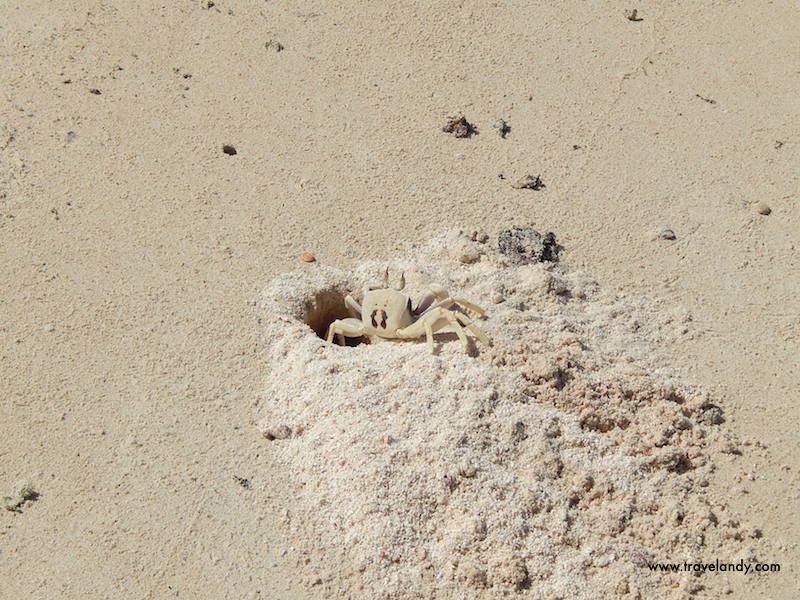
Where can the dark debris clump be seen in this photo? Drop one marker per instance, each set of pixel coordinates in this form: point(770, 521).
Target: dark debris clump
point(529, 182)
point(525, 245)
point(459, 127)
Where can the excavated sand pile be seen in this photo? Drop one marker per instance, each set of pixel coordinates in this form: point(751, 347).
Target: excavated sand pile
point(556, 463)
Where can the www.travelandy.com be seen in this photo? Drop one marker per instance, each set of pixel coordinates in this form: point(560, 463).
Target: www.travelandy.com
point(715, 567)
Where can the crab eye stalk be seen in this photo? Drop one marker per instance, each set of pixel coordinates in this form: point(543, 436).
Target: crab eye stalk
point(402, 283)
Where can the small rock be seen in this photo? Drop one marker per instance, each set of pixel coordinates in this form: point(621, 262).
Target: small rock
point(711, 415)
point(502, 128)
point(664, 233)
point(461, 248)
point(468, 255)
point(459, 127)
point(49, 327)
point(761, 208)
point(529, 182)
point(274, 45)
point(479, 236)
point(281, 432)
point(497, 297)
point(24, 489)
point(307, 257)
point(229, 150)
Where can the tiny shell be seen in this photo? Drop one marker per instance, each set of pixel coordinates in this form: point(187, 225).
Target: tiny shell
point(307, 257)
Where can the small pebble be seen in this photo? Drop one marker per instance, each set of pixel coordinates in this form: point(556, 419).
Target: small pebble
point(307, 257)
point(468, 255)
point(479, 236)
point(529, 182)
point(25, 489)
point(502, 128)
point(281, 432)
point(459, 127)
point(50, 327)
point(761, 208)
point(664, 233)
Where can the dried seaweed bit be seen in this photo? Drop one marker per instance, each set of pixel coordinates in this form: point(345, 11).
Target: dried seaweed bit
point(529, 182)
point(525, 245)
point(704, 99)
point(459, 127)
point(633, 15)
point(242, 481)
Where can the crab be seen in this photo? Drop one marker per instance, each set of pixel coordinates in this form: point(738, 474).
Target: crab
point(388, 313)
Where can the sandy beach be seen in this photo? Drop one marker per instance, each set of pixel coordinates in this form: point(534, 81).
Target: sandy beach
point(174, 428)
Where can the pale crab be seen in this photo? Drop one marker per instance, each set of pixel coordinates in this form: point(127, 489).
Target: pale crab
point(388, 313)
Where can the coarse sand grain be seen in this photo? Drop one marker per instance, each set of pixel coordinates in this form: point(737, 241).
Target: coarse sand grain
point(558, 462)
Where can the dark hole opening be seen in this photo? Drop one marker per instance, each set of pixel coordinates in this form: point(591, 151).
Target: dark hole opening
point(327, 306)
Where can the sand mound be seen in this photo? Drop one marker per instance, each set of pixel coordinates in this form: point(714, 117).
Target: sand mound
point(560, 460)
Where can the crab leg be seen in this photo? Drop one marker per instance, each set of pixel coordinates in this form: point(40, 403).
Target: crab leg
point(451, 319)
point(472, 328)
point(345, 328)
point(429, 335)
point(350, 302)
point(437, 292)
point(433, 320)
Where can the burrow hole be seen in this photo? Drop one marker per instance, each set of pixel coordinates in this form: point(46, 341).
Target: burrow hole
point(327, 306)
